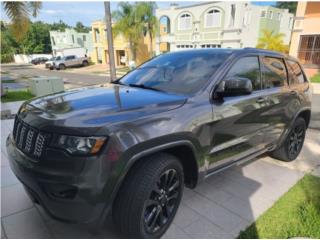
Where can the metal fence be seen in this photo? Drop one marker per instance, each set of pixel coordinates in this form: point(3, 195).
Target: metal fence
point(309, 49)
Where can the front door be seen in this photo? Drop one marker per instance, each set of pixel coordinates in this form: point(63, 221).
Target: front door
point(238, 120)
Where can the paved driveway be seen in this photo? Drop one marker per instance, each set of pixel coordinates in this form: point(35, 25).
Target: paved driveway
point(218, 208)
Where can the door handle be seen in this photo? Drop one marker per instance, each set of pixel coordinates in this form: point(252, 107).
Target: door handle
point(261, 100)
point(293, 92)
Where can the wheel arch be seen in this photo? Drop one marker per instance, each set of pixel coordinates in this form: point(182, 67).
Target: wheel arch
point(183, 150)
point(306, 115)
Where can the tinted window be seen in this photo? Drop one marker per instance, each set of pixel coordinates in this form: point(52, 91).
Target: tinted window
point(297, 73)
point(179, 72)
point(247, 67)
point(275, 73)
point(70, 57)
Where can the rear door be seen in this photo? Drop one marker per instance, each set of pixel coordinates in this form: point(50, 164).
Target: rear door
point(238, 121)
point(276, 89)
point(70, 61)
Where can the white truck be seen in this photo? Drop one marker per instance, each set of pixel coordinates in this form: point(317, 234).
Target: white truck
point(70, 61)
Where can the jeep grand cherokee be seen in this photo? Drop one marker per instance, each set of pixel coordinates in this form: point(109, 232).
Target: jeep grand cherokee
point(128, 148)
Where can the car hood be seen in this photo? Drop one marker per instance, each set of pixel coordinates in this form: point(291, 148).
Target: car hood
point(99, 106)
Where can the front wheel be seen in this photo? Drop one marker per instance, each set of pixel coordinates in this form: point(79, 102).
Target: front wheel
point(292, 145)
point(149, 197)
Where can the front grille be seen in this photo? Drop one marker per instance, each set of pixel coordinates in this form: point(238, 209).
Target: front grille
point(30, 140)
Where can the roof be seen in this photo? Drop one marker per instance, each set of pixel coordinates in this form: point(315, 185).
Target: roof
point(235, 50)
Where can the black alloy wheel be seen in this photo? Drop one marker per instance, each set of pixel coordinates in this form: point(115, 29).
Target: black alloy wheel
point(149, 198)
point(296, 138)
point(162, 202)
point(293, 143)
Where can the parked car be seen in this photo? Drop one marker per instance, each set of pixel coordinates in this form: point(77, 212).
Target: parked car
point(39, 60)
point(70, 61)
point(49, 63)
point(129, 148)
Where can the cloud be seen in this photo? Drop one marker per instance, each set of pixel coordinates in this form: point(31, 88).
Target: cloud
point(52, 11)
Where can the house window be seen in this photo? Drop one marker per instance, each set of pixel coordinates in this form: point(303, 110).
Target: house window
point(72, 38)
point(84, 38)
point(233, 15)
point(185, 21)
point(246, 18)
point(309, 49)
point(263, 14)
point(270, 14)
point(210, 46)
point(213, 18)
point(279, 16)
point(290, 22)
point(53, 42)
point(185, 46)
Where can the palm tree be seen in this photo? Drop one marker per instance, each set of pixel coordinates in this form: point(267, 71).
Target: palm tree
point(145, 11)
point(272, 41)
point(19, 13)
point(128, 24)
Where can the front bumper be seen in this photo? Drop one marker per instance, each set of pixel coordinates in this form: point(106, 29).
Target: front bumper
point(66, 196)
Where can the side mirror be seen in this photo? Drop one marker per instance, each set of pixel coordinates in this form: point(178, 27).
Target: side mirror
point(234, 87)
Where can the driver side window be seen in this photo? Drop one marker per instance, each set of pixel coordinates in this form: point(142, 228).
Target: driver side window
point(246, 67)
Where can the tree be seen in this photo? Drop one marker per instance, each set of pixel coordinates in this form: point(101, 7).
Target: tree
point(292, 6)
point(272, 41)
point(59, 26)
point(129, 25)
point(81, 28)
point(37, 39)
point(19, 14)
point(8, 45)
point(145, 11)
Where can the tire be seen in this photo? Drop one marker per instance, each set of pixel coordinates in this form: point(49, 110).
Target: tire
point(292, 145)
point(142, 196)
point(62, 66)
point(85, 63)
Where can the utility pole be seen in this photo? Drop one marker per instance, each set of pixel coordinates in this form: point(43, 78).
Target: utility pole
point(110, 42)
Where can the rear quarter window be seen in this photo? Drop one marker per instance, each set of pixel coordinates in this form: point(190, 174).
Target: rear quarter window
point(297, 74)
point(274, 72)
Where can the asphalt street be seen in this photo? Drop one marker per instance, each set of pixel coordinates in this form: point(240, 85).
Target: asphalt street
point(69, 78)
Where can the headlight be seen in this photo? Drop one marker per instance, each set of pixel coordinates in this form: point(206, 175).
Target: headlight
point(79, 145)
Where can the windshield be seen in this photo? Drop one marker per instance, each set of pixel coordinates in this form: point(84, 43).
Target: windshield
point(179, 72)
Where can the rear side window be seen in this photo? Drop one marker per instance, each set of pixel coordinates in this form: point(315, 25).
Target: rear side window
point(297, 74)
point(247, 67)
point(274, 71)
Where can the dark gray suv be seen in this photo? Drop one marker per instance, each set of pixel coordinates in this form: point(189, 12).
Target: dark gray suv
point(128, 148)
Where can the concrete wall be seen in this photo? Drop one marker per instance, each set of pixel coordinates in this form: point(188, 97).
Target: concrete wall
point(23, 58)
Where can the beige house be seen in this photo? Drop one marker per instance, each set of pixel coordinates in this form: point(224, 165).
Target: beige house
point(305, 40)
point(121, 47)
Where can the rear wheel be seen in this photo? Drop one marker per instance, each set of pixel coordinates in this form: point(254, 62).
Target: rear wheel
point(62, 67)
point(85, 63)
point(149, 198)
point(292, 145)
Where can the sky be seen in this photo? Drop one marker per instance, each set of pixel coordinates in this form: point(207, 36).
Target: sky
point(86, 12)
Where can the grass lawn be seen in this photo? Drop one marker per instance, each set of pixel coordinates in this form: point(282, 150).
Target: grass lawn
point(316, 78)
point(12, 96)
point(295, 214)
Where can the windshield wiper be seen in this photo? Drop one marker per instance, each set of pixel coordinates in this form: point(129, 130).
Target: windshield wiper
point(144, 87)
